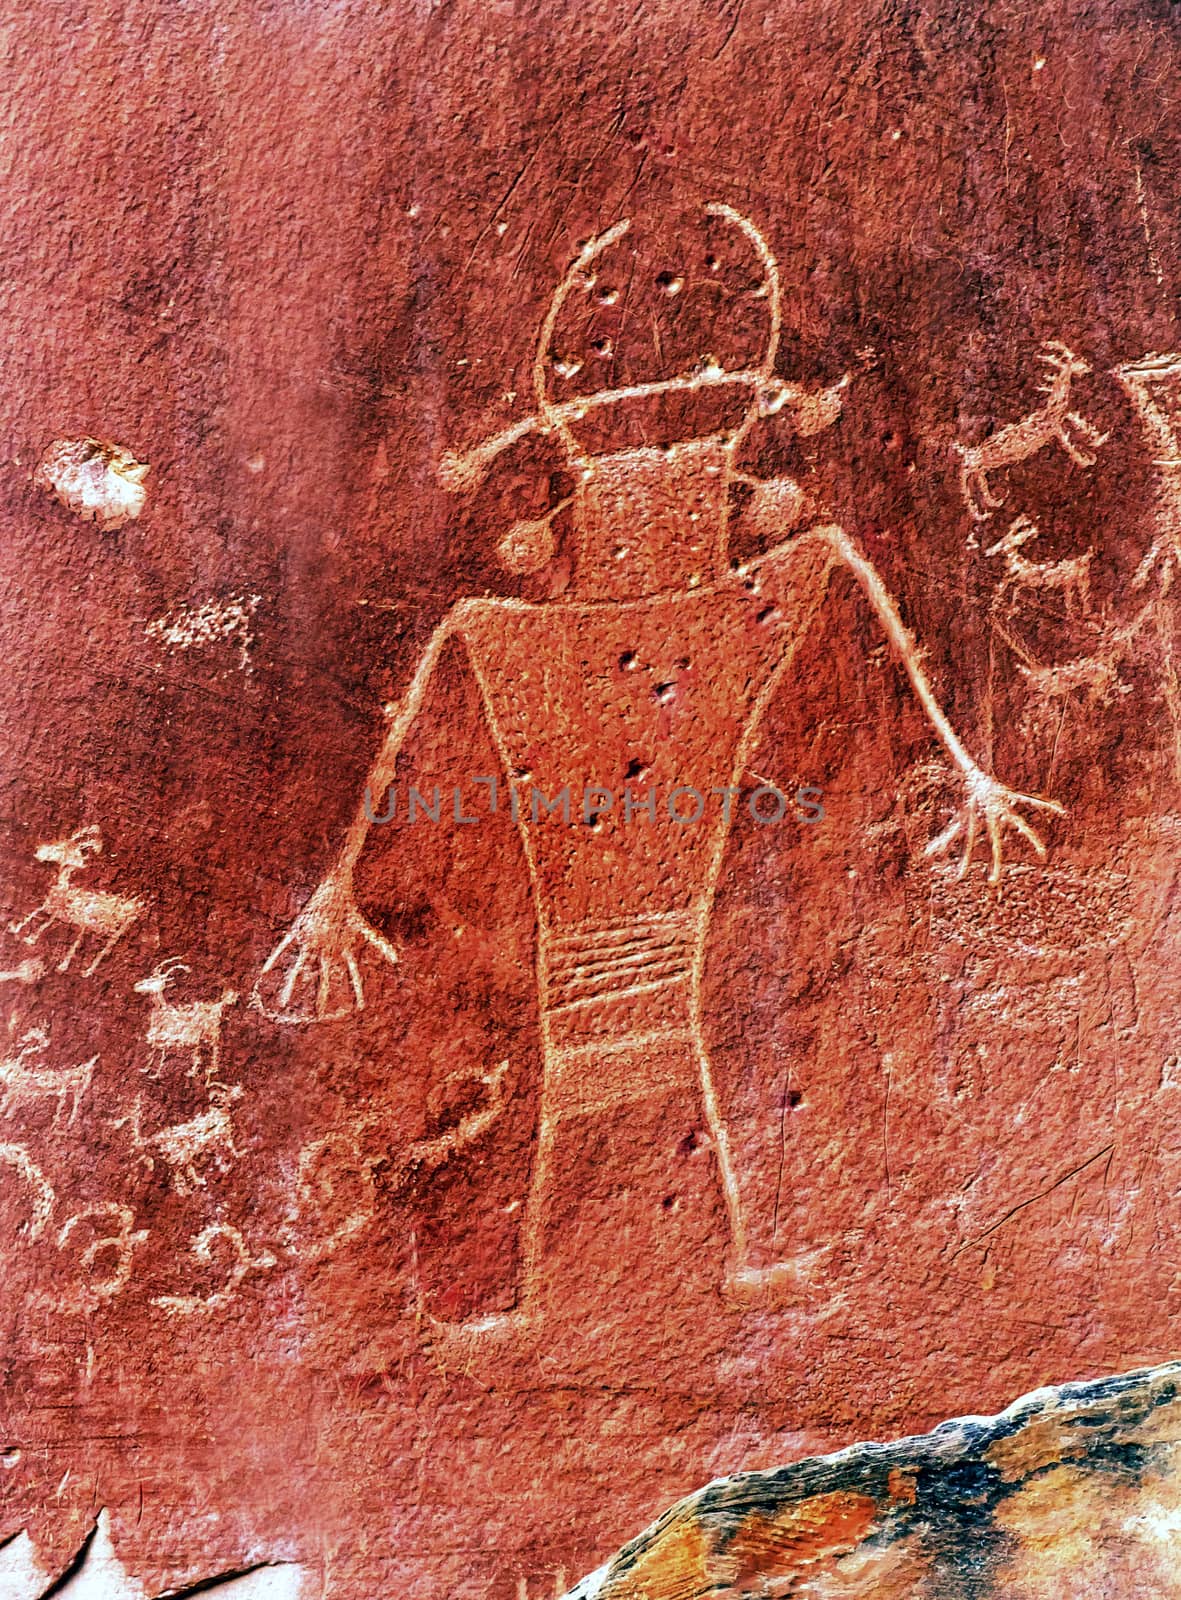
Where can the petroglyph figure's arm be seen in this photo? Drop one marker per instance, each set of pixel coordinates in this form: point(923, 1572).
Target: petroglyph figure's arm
point(986, 801)
point(313, 973)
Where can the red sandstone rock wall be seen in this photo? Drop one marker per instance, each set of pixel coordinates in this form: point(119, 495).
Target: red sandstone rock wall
point(797, 1135)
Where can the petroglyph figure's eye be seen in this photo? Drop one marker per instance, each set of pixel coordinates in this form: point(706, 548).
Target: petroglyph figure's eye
point(527, 546)
point(96, 480)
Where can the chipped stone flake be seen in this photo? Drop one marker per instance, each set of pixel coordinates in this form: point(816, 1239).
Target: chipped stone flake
point(97, 480)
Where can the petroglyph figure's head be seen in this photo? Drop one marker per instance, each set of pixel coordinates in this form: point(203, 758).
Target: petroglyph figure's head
point(649, 516)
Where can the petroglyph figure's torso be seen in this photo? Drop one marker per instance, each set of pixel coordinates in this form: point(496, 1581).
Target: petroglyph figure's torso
point(641, 697)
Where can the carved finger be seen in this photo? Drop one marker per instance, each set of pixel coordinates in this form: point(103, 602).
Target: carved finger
point(350, 962)
point(288, 988)
point(941, 841)
point(994, 834)
point(969, 843)
point(1024, 829)
point(1055, 806)
point(378, 940)
point(324, 989)
point(278, 950)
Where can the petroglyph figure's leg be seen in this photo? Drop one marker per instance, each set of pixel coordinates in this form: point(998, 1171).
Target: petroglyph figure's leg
point(457, 1343)
point(64, 964)
point(103, 953)
point(48, 919)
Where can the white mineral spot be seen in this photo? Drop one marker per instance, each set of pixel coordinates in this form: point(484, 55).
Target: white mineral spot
point(212, 622)
point(95, 479)
point(1160, 1524)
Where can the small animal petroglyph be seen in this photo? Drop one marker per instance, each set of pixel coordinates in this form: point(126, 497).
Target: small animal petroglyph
point(212, 622)
point(96, 480)
point(86, 910)
point(241, 1264)
point(41, 1196)
point(1050, 423)
point(1088, 681)
point(185, 1143)
point(20, 1082)
point(1070, 578)
point(195, 1027)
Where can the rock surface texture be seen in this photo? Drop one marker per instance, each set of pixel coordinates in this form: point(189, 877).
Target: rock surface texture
point(591, 795)
point(1071, 1491)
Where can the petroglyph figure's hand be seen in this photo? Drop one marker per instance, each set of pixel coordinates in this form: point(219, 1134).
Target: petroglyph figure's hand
point(989, 802)
point(313, 974)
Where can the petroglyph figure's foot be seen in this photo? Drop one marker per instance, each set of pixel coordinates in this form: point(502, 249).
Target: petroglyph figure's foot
point(470, 1346)
point(794, 1282)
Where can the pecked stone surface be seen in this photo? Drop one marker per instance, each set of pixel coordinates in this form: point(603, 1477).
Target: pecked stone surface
point(663, 1147)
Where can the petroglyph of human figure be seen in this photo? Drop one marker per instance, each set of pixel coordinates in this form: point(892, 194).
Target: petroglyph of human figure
point(659, 650)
